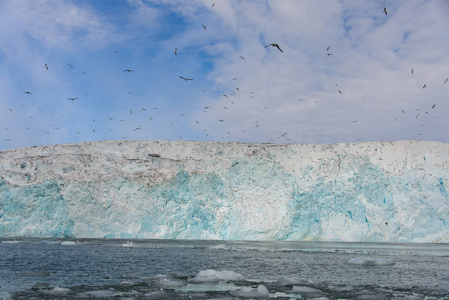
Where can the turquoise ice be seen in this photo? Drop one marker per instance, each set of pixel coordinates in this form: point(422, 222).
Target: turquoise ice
point(377, 191)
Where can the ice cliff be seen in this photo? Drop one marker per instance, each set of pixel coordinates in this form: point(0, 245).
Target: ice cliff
point(377, 191)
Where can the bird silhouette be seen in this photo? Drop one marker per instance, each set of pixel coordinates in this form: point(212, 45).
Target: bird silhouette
point(176, 51)
point(204, 27)
point(275, 45)
point(385, 11)
point(46, 67)
point(73, 99)
point(447, 79)
point(128, 70)
point(28, 93)
point(185, 78)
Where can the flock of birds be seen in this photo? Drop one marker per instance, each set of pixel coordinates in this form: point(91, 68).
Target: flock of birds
point(280, 136)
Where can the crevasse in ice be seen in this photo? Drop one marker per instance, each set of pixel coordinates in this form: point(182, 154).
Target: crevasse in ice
point(375, 191)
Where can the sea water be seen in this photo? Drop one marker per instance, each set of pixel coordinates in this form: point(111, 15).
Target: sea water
point(204, 269)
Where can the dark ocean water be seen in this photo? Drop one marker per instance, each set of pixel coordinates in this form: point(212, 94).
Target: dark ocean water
point(166, 269)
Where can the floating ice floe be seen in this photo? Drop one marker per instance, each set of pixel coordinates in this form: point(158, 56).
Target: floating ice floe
point(127, 283)
point(248, 292)
point(370, 261)
point(129, 244)
point(58, 290)
point(215, 276)
point(68, 243)
point(168, 283)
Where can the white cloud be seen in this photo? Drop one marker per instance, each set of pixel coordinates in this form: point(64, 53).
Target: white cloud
point(59, 23)
point(267, 93)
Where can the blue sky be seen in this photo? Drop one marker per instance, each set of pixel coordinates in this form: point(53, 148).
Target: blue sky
point(360, 89)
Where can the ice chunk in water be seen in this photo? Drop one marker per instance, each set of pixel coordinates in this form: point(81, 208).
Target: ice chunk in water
point(58, 290)
point(167, 283)
point(129, 244)
point(215, 276)
point(261, 289)
point(370, 261)
point(248, 292)
point(68, 243)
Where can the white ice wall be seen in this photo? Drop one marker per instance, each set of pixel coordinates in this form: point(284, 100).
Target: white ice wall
point(378, 191)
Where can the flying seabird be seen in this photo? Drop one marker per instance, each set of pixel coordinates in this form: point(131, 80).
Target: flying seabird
point(176, 51)
point(46, 67)
point(447, 79)
point(70, 66)
point(385, 11)
point(204, 27)
point(73, 99)
point(424, 86)
point(275, 45)
point(242, 57)
point(185, 78)
point(412, 71)
point(128, 70)
point(28, 93)
point(328, 48)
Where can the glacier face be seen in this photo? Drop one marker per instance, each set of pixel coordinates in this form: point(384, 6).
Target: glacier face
point(377, 191)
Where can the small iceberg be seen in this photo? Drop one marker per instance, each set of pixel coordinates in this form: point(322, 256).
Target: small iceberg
point(58, 290)
point(370, 261)
point(68, 243)
point(209, 276)
point(248, 292)
point(168, 283)
point(129, 244)
point(10, 242)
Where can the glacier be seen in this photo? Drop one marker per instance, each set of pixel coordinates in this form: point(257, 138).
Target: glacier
point(360, 192)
